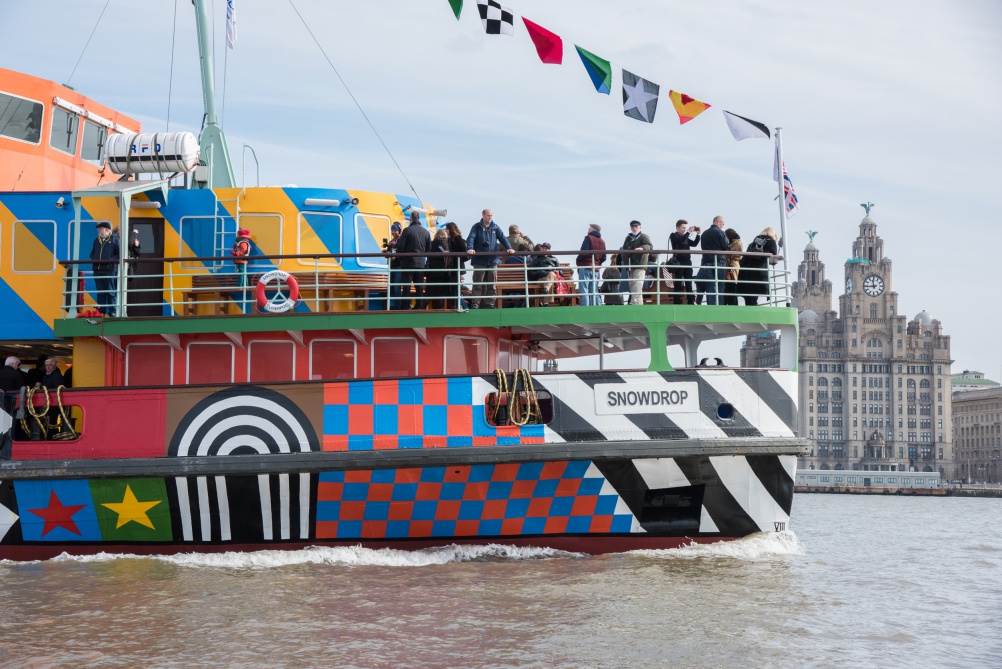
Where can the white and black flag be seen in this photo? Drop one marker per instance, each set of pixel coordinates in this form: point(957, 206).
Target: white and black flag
point(498, 20)
point(745, 128)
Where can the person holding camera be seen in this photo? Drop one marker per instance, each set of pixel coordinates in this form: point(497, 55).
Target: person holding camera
point(390, 247)
point(683, 240)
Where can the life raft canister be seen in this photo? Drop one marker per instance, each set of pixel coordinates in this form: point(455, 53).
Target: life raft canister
point(280, 302)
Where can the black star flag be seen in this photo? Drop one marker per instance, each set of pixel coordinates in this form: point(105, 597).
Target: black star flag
point(640, 97)
point(498, 20)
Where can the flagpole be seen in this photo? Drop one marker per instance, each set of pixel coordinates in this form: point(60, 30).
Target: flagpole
point(782, 215)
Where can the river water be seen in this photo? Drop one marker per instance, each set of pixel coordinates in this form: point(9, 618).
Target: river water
point(859, 582)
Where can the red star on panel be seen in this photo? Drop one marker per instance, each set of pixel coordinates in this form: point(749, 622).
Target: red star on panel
point(57, 515)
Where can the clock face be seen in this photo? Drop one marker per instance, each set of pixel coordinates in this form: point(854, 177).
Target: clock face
point(848, 285)
point(873, 285)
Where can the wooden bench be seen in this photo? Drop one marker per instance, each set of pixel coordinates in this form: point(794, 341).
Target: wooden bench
point(327, 287)
point(511, 283)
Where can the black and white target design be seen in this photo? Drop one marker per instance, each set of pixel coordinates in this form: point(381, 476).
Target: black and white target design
point(237, 421)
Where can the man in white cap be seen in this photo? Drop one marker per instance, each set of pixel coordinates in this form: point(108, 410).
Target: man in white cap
point(106, 248)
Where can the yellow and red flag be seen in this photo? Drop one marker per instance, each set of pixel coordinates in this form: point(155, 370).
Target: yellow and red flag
point(687, 107)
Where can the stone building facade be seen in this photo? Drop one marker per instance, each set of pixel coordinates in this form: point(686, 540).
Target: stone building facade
point(874, 386)
point(977, 435)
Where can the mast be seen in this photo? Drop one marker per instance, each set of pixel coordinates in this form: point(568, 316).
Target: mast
point(212, 141)
point(782, 212)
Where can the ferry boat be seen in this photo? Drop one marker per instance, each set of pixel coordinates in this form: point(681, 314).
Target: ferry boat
point(289, 401)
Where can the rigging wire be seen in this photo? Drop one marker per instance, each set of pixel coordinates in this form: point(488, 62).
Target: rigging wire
point(350, 94)
point(88, 43)
point(170, 81)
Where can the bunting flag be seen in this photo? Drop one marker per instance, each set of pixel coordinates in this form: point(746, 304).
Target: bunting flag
point(599, 69)
point(457, 7)
point(498, 20)
point(744, 128)
point(688, 108)
point(640, 97)
point(231, 23)
point(549, 46)
point(789, 195)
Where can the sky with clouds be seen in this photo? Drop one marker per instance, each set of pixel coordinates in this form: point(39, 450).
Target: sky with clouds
point(896, 103)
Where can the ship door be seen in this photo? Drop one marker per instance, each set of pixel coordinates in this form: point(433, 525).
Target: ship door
point(146, 283)
point(866, 482)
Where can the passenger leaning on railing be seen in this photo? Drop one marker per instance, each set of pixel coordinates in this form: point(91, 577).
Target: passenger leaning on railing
point(754, 277)
point(485, 237)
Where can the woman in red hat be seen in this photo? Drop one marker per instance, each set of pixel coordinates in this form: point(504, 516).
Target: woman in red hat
point(240, 251)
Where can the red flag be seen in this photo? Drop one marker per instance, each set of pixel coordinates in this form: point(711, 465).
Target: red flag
point(549, 46)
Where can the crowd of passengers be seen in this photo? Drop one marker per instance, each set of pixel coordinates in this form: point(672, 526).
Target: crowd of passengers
point(632, 270)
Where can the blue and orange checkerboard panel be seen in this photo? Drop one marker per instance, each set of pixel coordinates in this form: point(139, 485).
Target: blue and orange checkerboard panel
point(469, 501)
point(413, 413)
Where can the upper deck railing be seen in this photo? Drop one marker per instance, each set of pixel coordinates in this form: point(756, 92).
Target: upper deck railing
point(215, 285)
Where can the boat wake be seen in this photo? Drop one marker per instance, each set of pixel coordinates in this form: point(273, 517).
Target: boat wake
point(763, 545)
point(347, 555)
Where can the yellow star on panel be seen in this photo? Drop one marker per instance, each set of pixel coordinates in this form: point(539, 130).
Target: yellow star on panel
point(131, 509)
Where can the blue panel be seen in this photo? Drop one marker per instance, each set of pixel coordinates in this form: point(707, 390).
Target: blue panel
point(459, 442)
point(471, 510)
point(579, 524)
point(377, 510)
point(410, 441)
point(443, 528)
point(545, 488)
point(590, 486)
point(489, 528)
point(383, 476)
point(529, 471)
point(331, 477)
point(481, 473)
point(349, 529)
point(433, 474)
point(355, 492)
point(38, 499)
point(410, 391)
point(460, 391)
point(452, 491)
point(328, 510)
point(360, 392)
point(20, 322)
point(335, 418)
point(533, 525)
point(424, 510)
point(621, 523)
point(397, 528)
point(509, 441)
point(359, 442)
point(384, 418)
point(606, 505)
point(436, 421)
point(517, 508)
point(404, 492)
point(499, 490)
point(576, 469)
point(561, 506)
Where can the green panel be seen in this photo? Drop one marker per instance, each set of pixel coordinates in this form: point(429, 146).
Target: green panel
point(132, 509)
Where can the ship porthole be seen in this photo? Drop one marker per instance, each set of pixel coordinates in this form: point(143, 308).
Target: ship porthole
point(725, 411)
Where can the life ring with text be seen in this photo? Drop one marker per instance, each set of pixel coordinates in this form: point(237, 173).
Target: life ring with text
point(280, 302)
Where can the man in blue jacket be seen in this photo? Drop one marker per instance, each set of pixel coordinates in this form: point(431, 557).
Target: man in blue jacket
point(710, 278)
point(106, 247)
point(485, 237)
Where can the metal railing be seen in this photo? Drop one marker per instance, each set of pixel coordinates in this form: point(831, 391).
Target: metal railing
point(385, 282)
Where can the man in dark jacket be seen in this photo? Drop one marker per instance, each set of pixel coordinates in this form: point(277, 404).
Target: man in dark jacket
point(636, 262)
point(682, 240)
point(710, 278)
point(485, 237)
point(543, 271)
point(106, 247)
point(589, 265)
point(415, 239)
point(11, 377)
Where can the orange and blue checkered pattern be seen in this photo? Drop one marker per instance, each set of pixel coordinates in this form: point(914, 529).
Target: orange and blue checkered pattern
point(413, 413)
point(469, 501)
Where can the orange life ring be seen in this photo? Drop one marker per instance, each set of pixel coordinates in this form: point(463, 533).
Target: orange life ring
point(280, 303)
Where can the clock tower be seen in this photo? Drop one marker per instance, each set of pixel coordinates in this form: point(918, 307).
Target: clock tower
point(868, 296)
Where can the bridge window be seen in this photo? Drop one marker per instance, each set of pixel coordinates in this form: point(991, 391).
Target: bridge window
point(370, 230)
point(266, 235)
point(20, 119)
point(465, 355)
point(332, 359)
point(210, 362)
point(394, 357)
point(319, 233)
point(92, 147)
point(149, 365)
point(63, 136)
point(33, 248)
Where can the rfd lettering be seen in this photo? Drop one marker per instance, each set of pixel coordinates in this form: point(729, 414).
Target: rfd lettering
point(146, 147)
point(634, 398)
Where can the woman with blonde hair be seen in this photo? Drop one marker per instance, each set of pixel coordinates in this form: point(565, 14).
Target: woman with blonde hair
point(754, 277)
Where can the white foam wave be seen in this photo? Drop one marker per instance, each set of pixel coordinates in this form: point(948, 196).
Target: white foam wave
point(762, 545)
point(344, 555)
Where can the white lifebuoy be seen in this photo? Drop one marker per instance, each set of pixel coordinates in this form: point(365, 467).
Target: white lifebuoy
point(280, 302)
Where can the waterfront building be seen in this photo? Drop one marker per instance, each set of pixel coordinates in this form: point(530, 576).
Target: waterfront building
point(977, 434)
point(875, 391)
point(970, 380)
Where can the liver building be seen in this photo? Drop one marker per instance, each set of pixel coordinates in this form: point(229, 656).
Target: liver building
point(874, 386)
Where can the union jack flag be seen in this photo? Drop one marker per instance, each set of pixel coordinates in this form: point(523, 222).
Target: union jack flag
point(789, 195)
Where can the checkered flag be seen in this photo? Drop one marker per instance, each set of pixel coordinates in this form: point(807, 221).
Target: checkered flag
point(497, 20)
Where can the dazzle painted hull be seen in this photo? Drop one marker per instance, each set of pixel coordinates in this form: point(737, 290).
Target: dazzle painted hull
point(408, 463)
